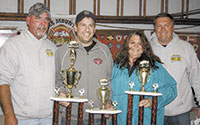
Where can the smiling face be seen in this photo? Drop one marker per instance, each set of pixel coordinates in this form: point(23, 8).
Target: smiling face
point(135, 48)
point(85, 30)
point(38, 25)
point(164, 29)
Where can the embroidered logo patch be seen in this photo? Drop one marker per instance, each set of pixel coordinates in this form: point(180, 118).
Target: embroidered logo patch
point(49, 52)
point(176, 58)
point(98, 61)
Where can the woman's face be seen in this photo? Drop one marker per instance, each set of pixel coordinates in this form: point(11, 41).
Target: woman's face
point(135, 47)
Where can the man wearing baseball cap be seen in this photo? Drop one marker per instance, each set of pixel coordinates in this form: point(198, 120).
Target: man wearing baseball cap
point(27, 71)
point(94, 60)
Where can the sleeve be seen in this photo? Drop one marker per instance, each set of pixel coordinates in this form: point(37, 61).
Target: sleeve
point(109, 68)
point(193, 72)
point(58, 60)
point(168, 87)
point(9, 64)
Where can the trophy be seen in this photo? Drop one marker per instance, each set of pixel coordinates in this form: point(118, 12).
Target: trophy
point(57, 91)
point(81, 92)
point(155, 87)
point(114, 103)
point(143, 72)
point(131, 84)
point(103, 92)
point(71, 76)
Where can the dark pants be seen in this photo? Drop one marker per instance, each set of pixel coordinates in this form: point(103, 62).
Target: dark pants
point(182, 119)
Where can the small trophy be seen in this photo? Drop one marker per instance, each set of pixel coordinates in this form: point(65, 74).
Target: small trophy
point(131, 84)
point(143, 72)
point(103, 92)
point(71, 76)
point(155, 86)
point(81, 92)
point(115, 103)
point(57, 91)
point(91, 102)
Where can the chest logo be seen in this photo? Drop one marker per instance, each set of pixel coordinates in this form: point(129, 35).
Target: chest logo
point(98, 61)
point(49, 52)
point(176, 58)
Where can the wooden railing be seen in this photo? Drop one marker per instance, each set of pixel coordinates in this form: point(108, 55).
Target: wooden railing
point(142, 18)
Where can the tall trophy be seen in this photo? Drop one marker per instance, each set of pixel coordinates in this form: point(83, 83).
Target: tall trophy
point(143, 72)
point(103, 92)
point(71, 76)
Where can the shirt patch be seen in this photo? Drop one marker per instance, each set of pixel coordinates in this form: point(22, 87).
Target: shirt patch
point(98, 61)
point(49, 52)
point(176, 58)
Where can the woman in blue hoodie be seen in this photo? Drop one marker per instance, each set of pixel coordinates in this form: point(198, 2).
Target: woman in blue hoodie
point(135, 49)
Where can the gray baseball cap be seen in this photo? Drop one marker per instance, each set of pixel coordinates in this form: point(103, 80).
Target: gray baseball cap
point(38, 9)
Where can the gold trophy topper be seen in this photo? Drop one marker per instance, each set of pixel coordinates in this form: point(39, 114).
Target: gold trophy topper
point(143, 72)
point(71, 76)
point(103, 92)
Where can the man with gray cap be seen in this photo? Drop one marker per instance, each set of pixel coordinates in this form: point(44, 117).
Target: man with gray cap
point(94, 60)
point(27, 72)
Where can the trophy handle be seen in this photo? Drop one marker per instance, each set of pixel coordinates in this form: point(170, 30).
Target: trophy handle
point(63, 74)
point(77, 77)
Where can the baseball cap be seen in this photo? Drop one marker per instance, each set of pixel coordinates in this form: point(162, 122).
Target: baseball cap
point(38, 9)
point(83, 14)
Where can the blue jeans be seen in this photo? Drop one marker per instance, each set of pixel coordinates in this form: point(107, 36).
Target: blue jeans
point(41, 121)
point(182, 119)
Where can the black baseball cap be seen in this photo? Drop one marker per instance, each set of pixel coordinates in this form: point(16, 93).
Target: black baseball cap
point(83, 14)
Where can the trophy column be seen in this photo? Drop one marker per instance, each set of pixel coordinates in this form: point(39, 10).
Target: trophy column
point(55, 112)
point(80, 101)
point(141, 112)
point(68, 113)
point(80, 112)
point(130, 110)
point(92, 112)
point(141, 109)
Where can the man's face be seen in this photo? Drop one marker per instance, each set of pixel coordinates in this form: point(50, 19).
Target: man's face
point(38, 25)
point(164, 30)
point(85, 30)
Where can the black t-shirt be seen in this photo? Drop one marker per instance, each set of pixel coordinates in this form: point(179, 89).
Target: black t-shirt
point(88, 48)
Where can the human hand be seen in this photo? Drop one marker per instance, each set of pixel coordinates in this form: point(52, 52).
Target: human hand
point(63, 95)
point(198, 112)
point(10, 120)
point(108, 107)
point(145, 102)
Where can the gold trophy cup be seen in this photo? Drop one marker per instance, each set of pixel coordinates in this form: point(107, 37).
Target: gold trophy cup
point(103, 92)
point(143, 72)
point(71, 76)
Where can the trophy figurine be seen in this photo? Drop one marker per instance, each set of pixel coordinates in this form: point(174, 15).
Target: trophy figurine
point(155, 86)
point(143, 72)
point(103, 92)
point(114, 103)
point(71, 76)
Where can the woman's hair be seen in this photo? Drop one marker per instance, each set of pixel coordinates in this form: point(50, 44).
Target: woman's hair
point(122, 58)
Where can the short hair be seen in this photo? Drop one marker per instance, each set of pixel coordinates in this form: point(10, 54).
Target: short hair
point(38, 9)
point(163, 15)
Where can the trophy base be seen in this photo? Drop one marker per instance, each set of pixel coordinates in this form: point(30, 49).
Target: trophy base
point(69, 96)
point(99, 111)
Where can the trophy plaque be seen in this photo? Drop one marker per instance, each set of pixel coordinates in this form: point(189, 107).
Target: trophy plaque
point(71, 76)
point(103, 92)
point(143, 72)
